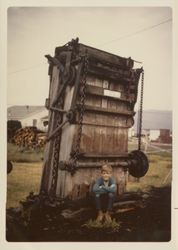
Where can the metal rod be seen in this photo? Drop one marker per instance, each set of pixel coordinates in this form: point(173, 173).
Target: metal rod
point(58, 110)
point(140, 112)
point(56, 130)
point(65, 165)
point(100, 164)
point(104, 156)
point(60, 91)
point(77, 85)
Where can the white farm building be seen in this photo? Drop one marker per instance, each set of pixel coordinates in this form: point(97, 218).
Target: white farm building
point(29, 116)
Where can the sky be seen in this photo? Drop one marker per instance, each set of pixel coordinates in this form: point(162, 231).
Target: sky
point(142, 33)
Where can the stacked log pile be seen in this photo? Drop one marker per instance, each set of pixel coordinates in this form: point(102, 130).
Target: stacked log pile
point(30, 137)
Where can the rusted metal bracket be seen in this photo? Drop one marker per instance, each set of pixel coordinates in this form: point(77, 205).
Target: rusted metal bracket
point(56, 62)
point(58, 110)
point(102, 156)
point(52, 135)
point(136, 162)
point(70, 115)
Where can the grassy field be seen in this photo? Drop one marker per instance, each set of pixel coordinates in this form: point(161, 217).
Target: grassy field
point(17, 154)
point(24, 178)
point(27, 170)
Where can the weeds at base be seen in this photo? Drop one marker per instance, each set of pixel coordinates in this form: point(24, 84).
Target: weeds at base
point(114, 226)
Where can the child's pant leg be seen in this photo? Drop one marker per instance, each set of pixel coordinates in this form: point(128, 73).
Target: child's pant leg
point(98, 201)
point(104, 201)
point(101, 201)
point(111, 197)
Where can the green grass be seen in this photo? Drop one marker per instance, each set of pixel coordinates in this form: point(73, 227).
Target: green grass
point(93, 224)
point(25, 177)
point(27, 170)
point(152, 147)
point(16, 154)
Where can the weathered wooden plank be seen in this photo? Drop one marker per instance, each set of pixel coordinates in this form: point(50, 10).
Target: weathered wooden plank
point(97, 91)
point(94, 90)
point(53, 118)
point(118, 106)
point(67, 137)
point(68, 130)
point(106, 57)
point(77, 85)
point(118, 144)
point(85, 178)
point(116, 86)
point(99, 82)
point(105, 110)
point(93, 101)
point(109, 74)
point(69, 214)
point(90, 79)
point(82, 181)
point(120, 177)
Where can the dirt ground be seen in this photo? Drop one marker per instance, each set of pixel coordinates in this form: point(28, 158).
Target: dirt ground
point(149, 222)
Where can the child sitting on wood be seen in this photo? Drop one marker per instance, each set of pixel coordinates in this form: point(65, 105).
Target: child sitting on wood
point(104, 189)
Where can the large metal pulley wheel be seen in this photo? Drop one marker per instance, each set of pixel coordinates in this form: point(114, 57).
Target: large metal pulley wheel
point(9, 166)
point(139, 164)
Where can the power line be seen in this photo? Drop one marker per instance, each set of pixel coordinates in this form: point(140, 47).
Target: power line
point(111, 41)
point(137, 32)
point(25, 69)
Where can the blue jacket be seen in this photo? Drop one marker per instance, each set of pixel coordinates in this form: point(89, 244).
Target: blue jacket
point(99, 187)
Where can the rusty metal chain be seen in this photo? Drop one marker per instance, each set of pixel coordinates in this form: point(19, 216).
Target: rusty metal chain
point(76, 152)
point(56, 154)
point(141, 112)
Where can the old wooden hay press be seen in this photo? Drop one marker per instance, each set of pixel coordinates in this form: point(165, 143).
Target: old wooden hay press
point(91, 102)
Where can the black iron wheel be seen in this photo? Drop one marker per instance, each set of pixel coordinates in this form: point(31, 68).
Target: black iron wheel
point(9, 167)
point(140, 164)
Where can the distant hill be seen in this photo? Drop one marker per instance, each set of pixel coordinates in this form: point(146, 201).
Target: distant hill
point(155, 119)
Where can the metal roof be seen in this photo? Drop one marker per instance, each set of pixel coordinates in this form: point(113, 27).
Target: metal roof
point(20, 112)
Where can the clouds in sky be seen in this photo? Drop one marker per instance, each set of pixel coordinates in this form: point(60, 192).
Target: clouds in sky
point(34, 32)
